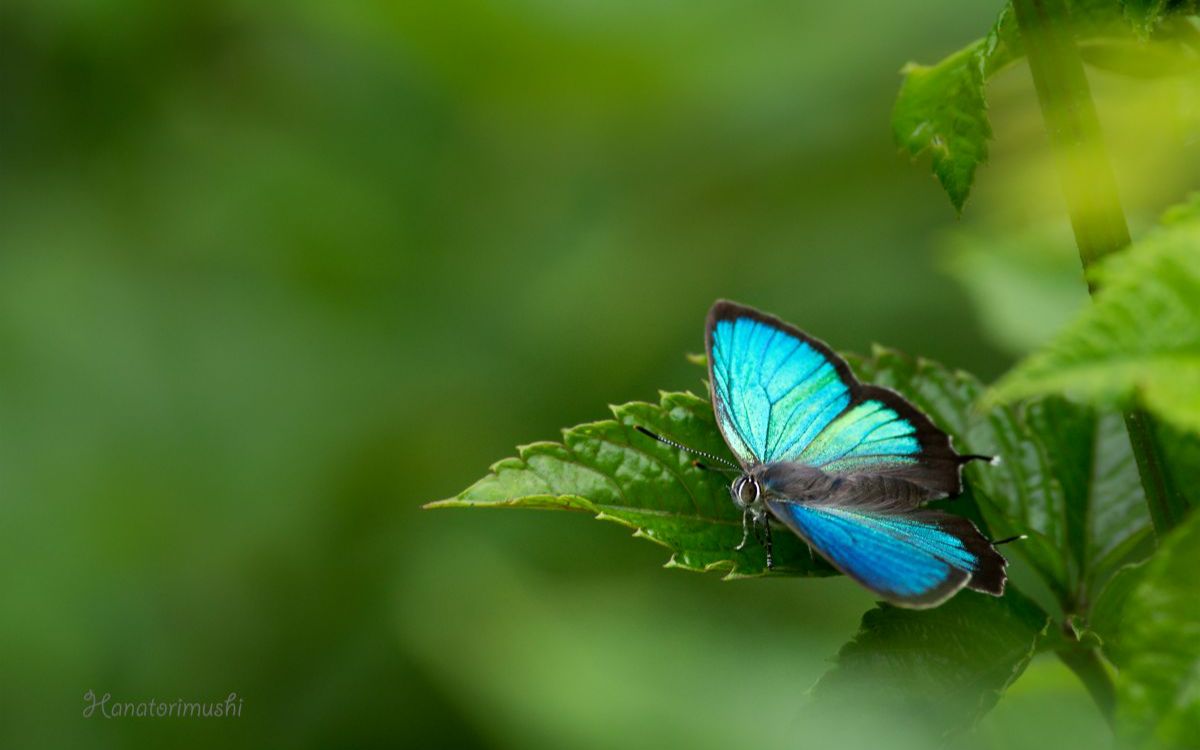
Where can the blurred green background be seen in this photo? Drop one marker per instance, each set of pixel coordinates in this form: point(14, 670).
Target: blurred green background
point(273, 275)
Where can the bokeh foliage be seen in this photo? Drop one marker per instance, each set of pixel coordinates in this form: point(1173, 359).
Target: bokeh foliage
point(273, 276)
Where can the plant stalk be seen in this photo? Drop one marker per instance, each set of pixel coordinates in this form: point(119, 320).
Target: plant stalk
point(1086, 664)
point(1090, 189)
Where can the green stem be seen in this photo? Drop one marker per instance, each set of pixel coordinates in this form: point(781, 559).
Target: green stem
point(1086, 664)
point(1090, 189)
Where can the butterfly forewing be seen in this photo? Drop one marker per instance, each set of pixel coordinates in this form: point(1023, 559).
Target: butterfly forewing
point(782, 395)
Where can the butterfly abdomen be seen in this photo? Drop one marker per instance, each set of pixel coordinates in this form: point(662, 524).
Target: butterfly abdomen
point(803, 483)
point(795, 481)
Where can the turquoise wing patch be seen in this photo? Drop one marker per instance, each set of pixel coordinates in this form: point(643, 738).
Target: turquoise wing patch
point(773, 392)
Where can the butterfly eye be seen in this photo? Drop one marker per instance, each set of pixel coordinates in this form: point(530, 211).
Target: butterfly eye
point(736, 488)
point(745, 489)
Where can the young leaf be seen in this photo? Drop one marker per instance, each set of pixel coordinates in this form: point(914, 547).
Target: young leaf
point(1139, 342)
point(1158, 651)
point(616, 473)
point(1066, 477)
point(936, 670)
point(941, 108)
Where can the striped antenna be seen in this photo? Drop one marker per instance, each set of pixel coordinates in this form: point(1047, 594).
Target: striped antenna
point(682, 447)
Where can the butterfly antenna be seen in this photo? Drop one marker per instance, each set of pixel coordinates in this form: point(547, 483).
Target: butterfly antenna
point(993, 460)
point(705, 467)
point(1016, 538)
point(693, 451)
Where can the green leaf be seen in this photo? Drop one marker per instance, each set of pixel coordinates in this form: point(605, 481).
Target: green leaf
point(1158, 652)
point(1140, 341)
point(1067, 477)
point(941, 109)
point(1108, 612)
point(612, 471)
point(1108, 524)
point(935, 670)
point(1137, 58)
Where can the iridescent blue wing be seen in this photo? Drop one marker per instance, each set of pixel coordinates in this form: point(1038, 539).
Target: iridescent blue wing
point(782, 395)
point(917, 558)
point(774, 389)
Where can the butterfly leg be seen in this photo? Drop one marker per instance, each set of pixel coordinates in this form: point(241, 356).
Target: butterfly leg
point(751, 521)
point(766, 522)
point(747, 514)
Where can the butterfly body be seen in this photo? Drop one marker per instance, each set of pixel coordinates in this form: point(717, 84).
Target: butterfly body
point(846, 466)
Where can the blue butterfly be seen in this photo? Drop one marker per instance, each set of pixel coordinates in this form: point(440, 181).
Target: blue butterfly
point(844, 465)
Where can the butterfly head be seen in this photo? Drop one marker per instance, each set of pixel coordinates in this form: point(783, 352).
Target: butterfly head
point(782, 480)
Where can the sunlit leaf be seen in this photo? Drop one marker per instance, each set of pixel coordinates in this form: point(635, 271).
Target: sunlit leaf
point(1144, 15)
point(1140, 59)
point(1140, 341)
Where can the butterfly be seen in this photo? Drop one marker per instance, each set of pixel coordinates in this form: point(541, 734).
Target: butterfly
point(847, 466)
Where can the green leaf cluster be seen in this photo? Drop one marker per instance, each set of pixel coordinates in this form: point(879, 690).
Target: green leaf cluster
point(1066, 479)
point(942, 108)
point(1136, 346)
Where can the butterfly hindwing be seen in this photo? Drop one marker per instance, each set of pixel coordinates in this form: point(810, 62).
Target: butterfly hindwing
point(782, 395)
point(913, 559)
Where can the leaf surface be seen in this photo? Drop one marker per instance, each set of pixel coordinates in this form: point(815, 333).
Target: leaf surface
point(937, 669)
point(1158, 650)
point(612, 471)
point(941, 109)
